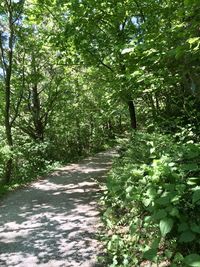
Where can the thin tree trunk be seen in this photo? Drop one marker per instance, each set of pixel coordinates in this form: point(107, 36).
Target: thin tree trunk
point(9, 163)
point(153, 108)
point(8, 171)
point(132, 113)
point(7, 115)
point(78, 134)
point(157, 102)
point(36, 108)
point(110, 130)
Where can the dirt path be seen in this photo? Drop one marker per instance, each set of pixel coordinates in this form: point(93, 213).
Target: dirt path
point(54, 221)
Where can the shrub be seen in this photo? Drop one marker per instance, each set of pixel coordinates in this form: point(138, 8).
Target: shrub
point(152, 201)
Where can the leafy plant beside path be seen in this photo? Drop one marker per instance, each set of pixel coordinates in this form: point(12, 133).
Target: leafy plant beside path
point(152, 202)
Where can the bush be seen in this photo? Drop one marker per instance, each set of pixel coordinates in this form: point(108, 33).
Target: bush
point(30, 160)
point(152, 201)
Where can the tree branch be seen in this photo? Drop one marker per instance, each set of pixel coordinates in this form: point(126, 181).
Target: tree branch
point(101, 61)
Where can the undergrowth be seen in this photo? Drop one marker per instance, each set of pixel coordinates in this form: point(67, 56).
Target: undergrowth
point(152, 202)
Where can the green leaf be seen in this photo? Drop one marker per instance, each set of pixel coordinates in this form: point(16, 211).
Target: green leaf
point(192, 260)
point(163, 200)
point(193, 180)
point(129, 189)
point(150, 254)
point(178, 257)
point(186, 237)
point(195, 228)
point(151, 193)
point(196, 196)
point(166, 225)
point(190, 167)
point(168, 253)
point(133, 228)
point(160, 214)
point(147, 219)
point(174, 212)
point(193, 40)
point(155, 243)
point(126, 260)
point(183, 227)
point(147, 202)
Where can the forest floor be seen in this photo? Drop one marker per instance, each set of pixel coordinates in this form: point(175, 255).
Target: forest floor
point(54, 221)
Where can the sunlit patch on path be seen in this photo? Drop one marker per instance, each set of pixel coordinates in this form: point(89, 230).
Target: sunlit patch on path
point(54, 221)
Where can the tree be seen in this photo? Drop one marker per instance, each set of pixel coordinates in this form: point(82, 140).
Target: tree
point(10, 13)
point(99, 40)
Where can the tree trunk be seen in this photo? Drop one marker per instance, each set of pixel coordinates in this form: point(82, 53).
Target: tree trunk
point(153, 108)
point(111, 134)
point(36, 108)
point(8, 127)
point(8, 171)
point(7, 65)
point(7, 115)
point(157, 102)
point(78, 136)
point(131, 107)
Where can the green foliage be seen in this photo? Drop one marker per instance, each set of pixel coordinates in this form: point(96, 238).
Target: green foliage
point(67, 73)
point(192, 260)
point(74, 67)
point(58, 109)
point(31, 159)
point(166, 225)
point(153, 191)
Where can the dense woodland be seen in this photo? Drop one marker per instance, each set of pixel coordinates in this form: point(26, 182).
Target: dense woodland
point(78, 76)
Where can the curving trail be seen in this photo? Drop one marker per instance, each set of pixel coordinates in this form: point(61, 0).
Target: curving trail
point(54, 221)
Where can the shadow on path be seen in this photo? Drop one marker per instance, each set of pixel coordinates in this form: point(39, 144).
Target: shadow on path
point(54, 221)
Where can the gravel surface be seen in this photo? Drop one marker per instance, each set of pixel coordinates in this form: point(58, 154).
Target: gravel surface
point(54, 222)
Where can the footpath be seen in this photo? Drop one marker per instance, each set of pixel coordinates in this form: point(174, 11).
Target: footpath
point(54, 221)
